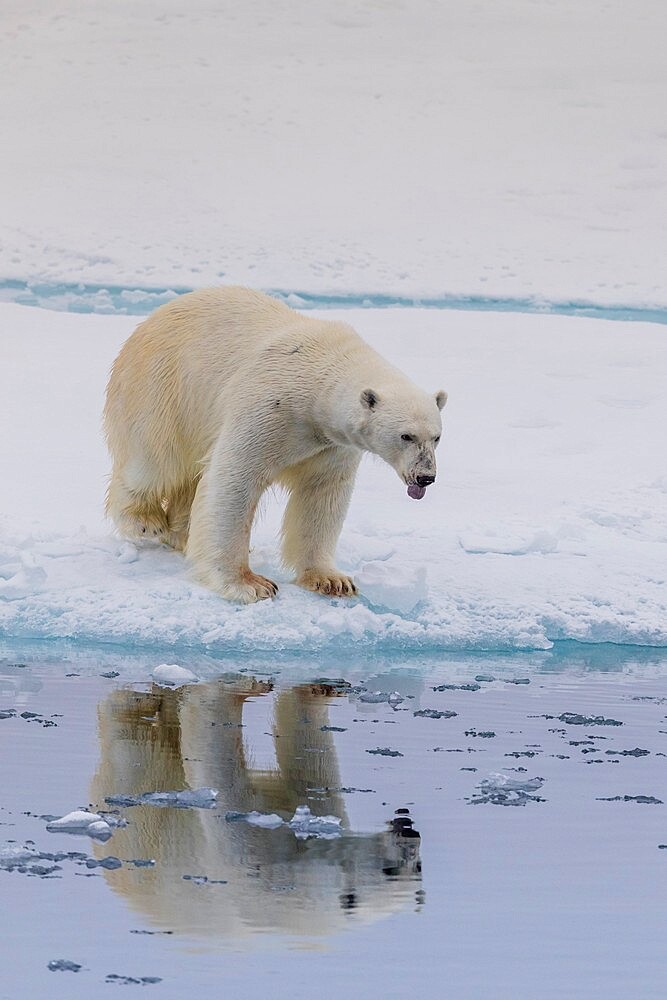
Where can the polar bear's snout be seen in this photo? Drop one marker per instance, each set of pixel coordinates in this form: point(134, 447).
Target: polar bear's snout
point(424, 480)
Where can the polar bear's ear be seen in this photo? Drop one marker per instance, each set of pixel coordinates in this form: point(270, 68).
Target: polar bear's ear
point(441, 398)
point(369, 399)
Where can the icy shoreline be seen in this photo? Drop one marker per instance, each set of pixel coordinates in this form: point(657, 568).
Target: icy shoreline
point(548, 521)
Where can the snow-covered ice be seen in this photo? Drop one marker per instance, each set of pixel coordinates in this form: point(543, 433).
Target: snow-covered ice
point(80, 821)
point(497, 150)
point(173, 675)
point(548, 520)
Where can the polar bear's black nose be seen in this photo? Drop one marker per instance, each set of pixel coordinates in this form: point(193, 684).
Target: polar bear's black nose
point(425, 480)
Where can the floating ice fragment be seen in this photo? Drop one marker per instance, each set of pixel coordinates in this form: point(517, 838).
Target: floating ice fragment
point(377, 697)
point(433, 713)
point(269, 821)
point(109, 863)
point(574, 719)
point(385, 752)
point(303, 824)
point(82, 822)
point(131, 980)
point(63, 965)
point(173, 675)
point(499, 790)
point(12, 855)
point(646, 800)
point(457, 687)
point(197, 798)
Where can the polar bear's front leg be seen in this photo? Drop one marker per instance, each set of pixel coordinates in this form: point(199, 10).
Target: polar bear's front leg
point(220, 524)
point(320, 491)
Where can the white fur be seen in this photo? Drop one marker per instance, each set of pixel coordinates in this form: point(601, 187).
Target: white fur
point(225, 391)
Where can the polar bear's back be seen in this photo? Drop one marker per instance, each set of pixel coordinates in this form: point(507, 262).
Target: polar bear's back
point(168, 379)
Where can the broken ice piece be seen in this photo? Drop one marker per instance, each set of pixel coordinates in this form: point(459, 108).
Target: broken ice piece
point(63, 965)
point(269, 821)
point(173, 675)
point(196, 798)
point(303, 824)
point(83, 823)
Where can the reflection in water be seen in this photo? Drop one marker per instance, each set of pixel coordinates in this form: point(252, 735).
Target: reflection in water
point(165, 740)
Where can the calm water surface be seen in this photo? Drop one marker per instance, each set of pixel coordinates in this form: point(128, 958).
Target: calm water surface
point(442, 879)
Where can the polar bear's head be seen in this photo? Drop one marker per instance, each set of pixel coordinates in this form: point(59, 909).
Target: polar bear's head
point(403, 427)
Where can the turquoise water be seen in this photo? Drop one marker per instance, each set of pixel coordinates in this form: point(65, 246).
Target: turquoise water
point(116, 299)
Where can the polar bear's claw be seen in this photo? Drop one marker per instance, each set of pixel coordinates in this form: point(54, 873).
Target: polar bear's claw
point(330, 583)
point(250, 588)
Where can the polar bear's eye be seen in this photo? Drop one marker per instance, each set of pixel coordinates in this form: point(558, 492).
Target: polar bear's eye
point(435, 440)
point(407, 437)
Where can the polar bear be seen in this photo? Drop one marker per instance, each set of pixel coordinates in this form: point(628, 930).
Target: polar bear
point(225, 391)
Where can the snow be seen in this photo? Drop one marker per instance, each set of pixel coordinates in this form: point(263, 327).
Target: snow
point(548, 520)
point(481, 149)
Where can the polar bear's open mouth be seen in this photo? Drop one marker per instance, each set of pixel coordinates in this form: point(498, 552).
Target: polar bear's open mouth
point(415, 491)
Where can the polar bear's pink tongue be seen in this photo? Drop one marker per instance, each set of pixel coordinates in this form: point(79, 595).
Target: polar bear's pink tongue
point(416, 492)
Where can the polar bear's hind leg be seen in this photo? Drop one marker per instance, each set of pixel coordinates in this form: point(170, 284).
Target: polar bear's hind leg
point(137, 515)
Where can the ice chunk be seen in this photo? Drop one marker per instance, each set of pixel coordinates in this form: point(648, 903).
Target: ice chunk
point(113, 977)
point(110, 863)
point(197, 798)
point(128, 553)
point(499, 790)
point(63, 965)
point(82, 822)
point(646, 800)
point(269, 821)
point(12, 855)
point(173, 675)
point(390, 584)
point(303, 824)
point(377, 697)
point(574, 719)
point(433, 713)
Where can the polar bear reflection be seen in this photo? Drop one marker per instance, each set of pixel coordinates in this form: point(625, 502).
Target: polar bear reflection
point(163, 740)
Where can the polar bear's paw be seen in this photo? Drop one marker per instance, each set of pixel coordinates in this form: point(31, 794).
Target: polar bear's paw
point(145, 522)
point(250, 587)
point(329, 582)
